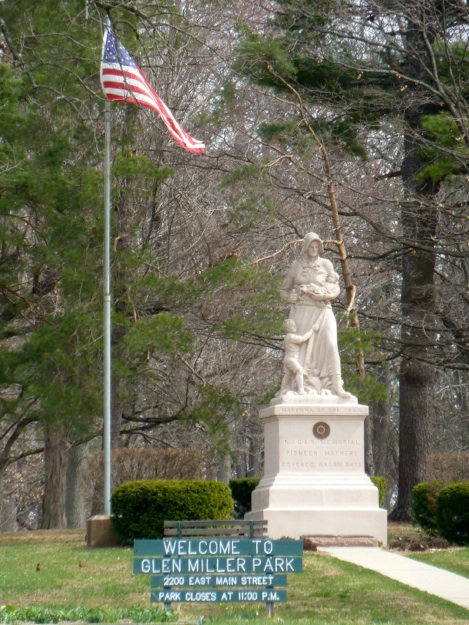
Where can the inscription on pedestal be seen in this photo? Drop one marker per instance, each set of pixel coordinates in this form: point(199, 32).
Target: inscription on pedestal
point(321, 454)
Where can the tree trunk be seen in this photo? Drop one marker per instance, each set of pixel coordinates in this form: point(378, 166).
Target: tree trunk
point(76, 487)
point(417, 374)
point(55, 463)
point(419, 228)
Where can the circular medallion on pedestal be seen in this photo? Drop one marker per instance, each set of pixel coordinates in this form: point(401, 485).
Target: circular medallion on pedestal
point(321, 430)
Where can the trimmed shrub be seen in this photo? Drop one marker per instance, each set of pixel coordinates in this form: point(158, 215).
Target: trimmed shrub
point(424, 496)
point(241, 490)
point(380, 483)
point(140, 508)
point(452, 513)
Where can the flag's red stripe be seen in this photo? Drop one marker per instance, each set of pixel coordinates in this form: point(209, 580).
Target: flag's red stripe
point(126, 88)
point(112, 71)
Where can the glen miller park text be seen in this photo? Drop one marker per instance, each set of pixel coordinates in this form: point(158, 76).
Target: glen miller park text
point(234, 368)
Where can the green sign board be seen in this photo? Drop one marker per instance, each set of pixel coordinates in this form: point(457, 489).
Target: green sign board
point(218, 569)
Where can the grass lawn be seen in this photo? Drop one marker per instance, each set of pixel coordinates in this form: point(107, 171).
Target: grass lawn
point(100, 586)
point(454, 560)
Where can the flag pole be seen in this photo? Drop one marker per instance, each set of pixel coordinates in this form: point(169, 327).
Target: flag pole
point(117, 66)
point(107, 304)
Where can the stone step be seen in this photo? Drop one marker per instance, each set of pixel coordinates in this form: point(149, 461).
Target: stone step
point(342, 541)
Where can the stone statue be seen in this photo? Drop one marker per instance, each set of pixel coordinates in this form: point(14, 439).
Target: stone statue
point(311, 341)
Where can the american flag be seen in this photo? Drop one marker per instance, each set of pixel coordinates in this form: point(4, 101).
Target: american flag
point(123, 81)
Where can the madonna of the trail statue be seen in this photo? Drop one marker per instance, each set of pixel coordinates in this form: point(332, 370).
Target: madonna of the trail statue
point(309, 287)
point(314, 482)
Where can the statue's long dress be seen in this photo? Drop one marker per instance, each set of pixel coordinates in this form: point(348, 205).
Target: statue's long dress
point(320, 355)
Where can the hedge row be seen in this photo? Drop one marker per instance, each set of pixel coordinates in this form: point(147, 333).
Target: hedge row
point(443, 510)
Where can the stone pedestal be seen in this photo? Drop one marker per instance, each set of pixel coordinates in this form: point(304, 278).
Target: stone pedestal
point(314, 480)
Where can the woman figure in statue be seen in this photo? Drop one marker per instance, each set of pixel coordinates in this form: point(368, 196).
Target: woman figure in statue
point(310, 285)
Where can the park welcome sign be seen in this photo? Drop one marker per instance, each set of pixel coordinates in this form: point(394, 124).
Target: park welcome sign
point(218, 569)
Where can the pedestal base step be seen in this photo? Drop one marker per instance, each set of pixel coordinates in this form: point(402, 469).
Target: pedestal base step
point(343, 541)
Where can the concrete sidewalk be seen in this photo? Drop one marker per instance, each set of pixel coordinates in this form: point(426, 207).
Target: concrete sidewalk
point(428, 578)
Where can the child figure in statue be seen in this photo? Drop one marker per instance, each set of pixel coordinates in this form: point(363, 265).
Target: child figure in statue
point(291, 366)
